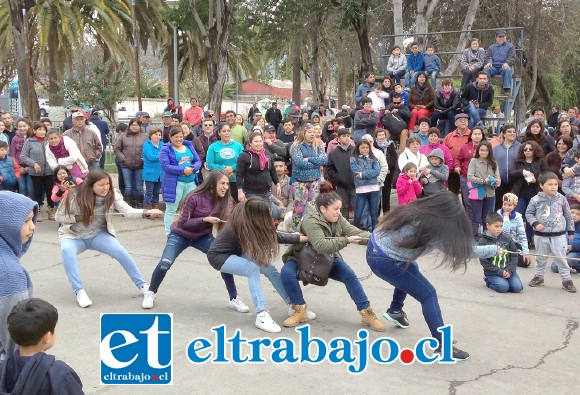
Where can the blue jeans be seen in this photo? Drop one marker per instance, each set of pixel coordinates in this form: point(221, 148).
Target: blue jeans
point(475, 115)
point(479, 210)
point(133, 181)
point(572, 263)
point(449, 124)
point(103, 242)
point(372, 198)
point(25, 185)
point(433, 76)
point(410, 80)
point(340, 272)
point(503, 285)
point(175, 245)
point(241, 266)
point(152, 189)
point(407, 280)
point(181, 191)
point(396, 75)
point(506, 75)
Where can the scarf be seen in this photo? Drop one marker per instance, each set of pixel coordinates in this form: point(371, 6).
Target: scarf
point(446, 95)
point(384, 144)
point(41, 139)
point(420, 89)
point(59, 150)
point(262, 155)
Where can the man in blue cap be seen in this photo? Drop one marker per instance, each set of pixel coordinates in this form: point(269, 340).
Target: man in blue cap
point(499, 59)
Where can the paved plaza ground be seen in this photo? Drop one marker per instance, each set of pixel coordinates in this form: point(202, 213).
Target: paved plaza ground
point(525, 343)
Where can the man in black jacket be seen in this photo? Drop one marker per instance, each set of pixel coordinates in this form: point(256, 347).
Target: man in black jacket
point(477, 97)
point(340, 173)
point(274, 115)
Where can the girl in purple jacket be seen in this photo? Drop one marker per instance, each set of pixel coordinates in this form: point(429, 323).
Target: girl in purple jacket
point(206, 206)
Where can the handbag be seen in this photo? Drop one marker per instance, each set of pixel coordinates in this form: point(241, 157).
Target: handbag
point(314, 268)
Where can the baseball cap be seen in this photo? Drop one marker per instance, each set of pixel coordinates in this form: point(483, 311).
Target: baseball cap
point(269, 128)
point(207, 114)
point(145, 114)
point(295, 113)
point(94, 111)
point(166, 114)
point(78, 114)
point(500, 32)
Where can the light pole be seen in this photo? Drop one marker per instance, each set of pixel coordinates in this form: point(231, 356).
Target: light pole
point(174, 4)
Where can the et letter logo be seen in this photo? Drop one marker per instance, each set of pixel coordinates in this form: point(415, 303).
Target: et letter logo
point(136, 349)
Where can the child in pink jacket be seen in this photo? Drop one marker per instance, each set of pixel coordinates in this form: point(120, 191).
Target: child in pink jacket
point(408, 186)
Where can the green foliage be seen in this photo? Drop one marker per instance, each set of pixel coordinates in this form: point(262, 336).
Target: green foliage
point(150, 89)
point(102, 86)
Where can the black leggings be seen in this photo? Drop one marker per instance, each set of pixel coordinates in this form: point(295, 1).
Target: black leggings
point(386, 193)
point(40, 182)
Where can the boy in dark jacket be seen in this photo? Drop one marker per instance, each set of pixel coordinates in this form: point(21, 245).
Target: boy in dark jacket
point(477, 97)
point(32, 324)
point(500, 271)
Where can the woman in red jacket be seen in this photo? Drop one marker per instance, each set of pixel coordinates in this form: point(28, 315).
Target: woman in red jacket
point(466, 153)
point(208, 205)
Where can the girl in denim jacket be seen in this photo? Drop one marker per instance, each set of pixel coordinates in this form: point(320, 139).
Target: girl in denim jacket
point(365, 169)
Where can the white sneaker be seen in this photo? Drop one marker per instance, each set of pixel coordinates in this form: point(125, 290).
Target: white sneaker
point(266, 323)
point(311, 314)
point(148, 299)
point(238, 305)
point(144, 288)
point(83, 299)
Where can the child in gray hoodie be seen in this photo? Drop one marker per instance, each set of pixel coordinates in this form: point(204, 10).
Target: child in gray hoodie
point(551, 218)
point(434, 176)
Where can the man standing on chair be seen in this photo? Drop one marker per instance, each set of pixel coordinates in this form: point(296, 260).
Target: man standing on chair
point(499, 59)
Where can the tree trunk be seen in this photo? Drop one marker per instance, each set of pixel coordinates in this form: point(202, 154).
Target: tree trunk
point(217, 53)
point(23, 53)
point(316, 77)
point(463, 38)
point(544, 93)
point(170, 74)
point(360, 22)
point(398, 22)
point(296, 63)
point(341, 73)
point(425, 9)
point(55, 94)
point(533, 66)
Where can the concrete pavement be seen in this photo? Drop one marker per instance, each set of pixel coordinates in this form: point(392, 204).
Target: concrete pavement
point(525, 343)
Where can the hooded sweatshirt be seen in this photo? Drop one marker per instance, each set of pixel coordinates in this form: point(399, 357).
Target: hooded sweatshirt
point(551, 211)
point(496, 265)
point(484, 96)
point(15, 283)
point(439, 174)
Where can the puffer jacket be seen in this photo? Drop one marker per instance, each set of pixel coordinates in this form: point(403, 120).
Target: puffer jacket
point(129, 149)
point(250, 177)
point(319, 232)
point(8, 171)
point(152, 170)
point(172, 170)
point(34, 151)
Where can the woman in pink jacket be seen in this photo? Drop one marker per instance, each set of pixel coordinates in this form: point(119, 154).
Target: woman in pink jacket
point(408, 186)
point(434, 136)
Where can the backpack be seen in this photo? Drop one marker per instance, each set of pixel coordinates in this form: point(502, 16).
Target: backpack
point(394, 123)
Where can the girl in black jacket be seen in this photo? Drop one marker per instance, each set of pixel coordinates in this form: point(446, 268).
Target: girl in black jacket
point(387, 146)
point(255, 171)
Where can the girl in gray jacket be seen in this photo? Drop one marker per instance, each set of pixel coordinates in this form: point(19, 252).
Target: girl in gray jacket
point(34, 155)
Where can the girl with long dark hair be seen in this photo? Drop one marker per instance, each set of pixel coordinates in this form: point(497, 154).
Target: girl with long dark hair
point(410, 231)
point(535, 132)
point(246, 247)
point(85, 218)
point(483, 174)
point(207, 206)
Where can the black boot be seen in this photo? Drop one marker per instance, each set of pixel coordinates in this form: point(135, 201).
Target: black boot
point(139, 201)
